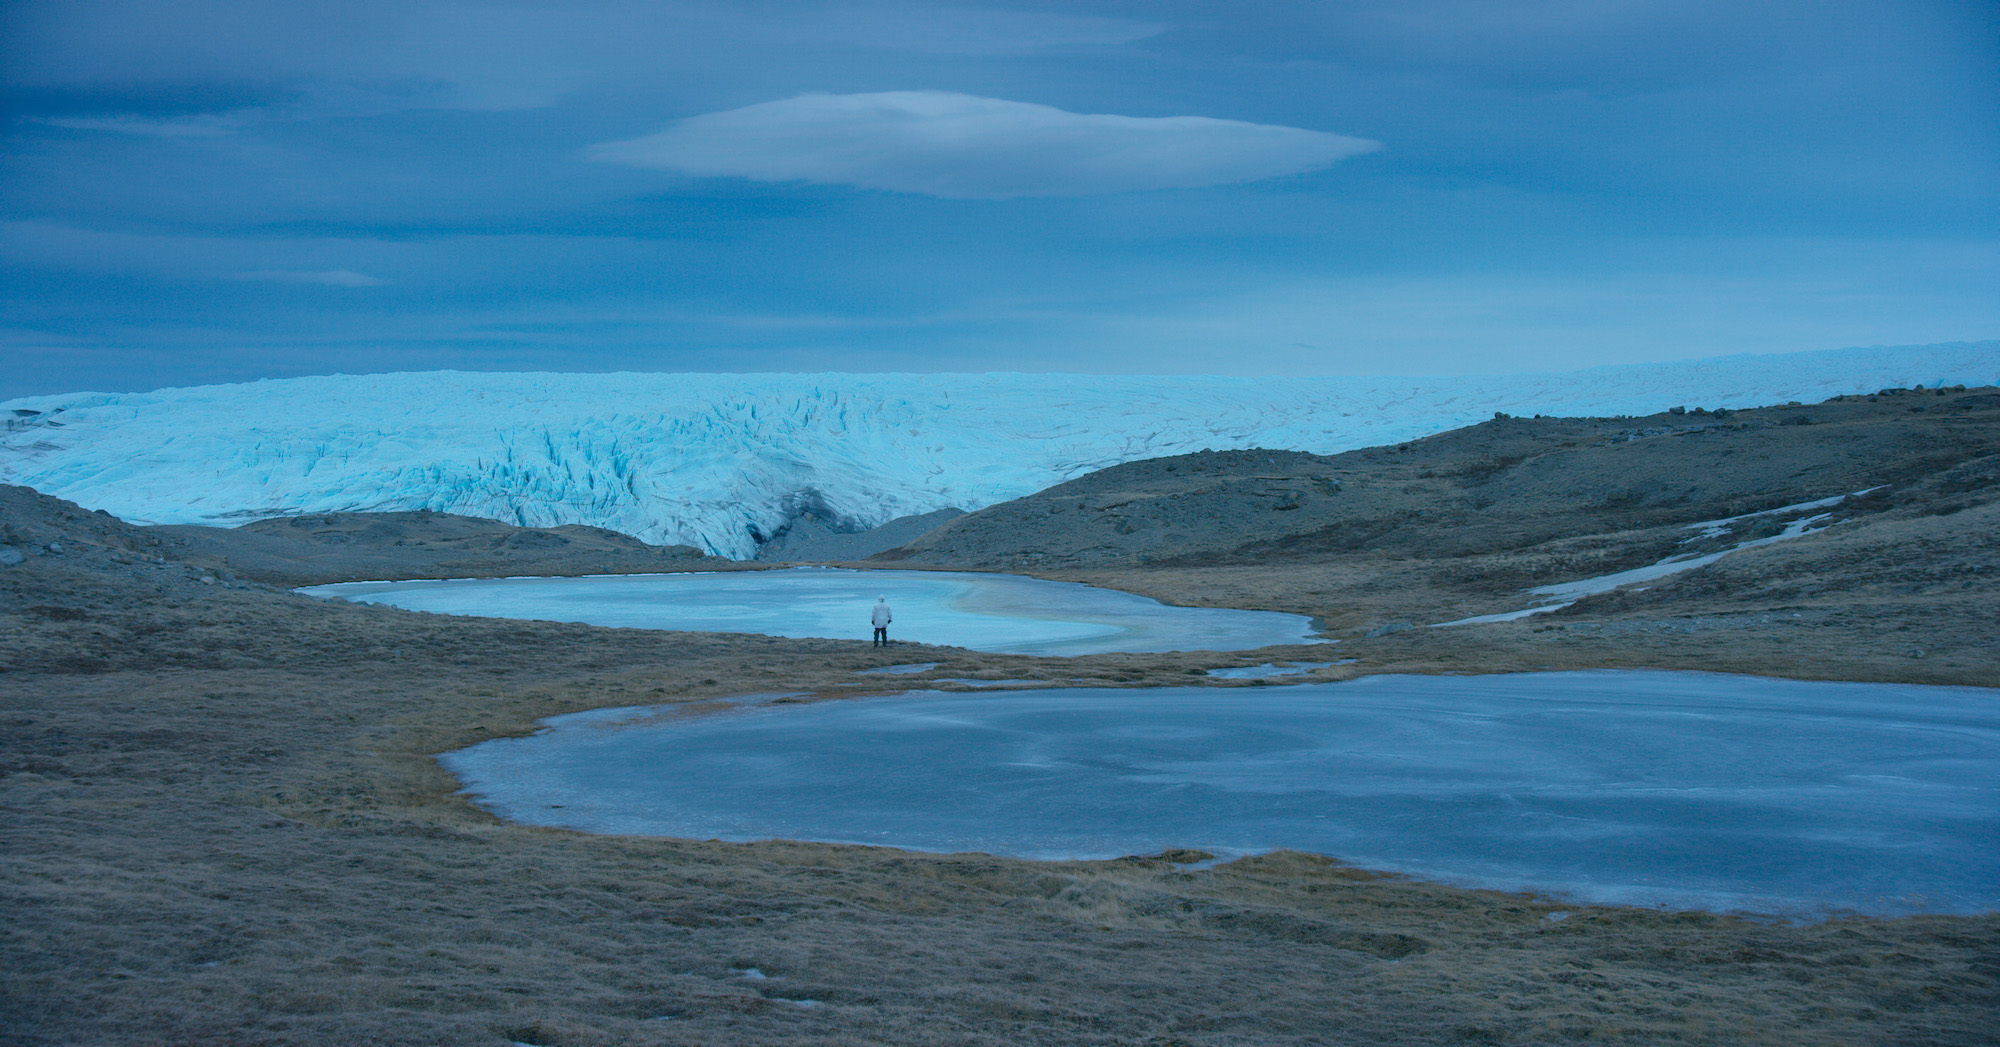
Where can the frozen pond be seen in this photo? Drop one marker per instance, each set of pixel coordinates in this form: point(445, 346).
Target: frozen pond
point(985, 612)
point(1682, 790)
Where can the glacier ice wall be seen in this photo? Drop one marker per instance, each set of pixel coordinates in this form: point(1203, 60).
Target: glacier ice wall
point(719, 460)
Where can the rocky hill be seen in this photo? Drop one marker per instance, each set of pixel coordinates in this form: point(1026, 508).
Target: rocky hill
point(809, 538)
point(1503, 486)
point(329, 547)
point(81, 591)
point(1860, 538)
point(334, 547)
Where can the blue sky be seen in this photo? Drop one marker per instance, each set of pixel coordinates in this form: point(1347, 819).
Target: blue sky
point(223, 191)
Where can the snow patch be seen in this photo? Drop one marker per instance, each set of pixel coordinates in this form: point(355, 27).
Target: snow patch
point(1563, 594)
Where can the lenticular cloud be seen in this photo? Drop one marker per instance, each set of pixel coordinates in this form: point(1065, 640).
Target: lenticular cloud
point(953, 145)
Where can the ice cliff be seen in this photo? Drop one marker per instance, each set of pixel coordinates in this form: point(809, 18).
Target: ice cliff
point(723, 461)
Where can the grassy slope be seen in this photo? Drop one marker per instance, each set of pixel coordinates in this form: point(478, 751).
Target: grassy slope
point(1900, 586)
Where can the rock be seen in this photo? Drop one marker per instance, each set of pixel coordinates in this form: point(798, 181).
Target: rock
point(533, 539)
point(808, 537)
point(9, 556)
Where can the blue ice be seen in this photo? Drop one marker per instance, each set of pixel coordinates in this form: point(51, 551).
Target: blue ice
point(1680, 790)
point(984, 612)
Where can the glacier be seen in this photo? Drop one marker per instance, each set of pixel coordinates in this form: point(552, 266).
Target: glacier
point(723, 462)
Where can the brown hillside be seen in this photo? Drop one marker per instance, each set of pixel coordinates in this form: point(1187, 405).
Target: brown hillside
point(1506, 485)
point(329, 547)
point(1896, 584)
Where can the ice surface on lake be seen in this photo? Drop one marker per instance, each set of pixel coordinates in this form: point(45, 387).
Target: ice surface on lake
point(1666, 789)
point(715, 460)
point(985, 612)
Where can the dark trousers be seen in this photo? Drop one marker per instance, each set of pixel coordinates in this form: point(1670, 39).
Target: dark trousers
point(881, 636)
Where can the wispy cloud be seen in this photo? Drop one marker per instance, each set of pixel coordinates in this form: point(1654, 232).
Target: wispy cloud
point(329, 277)
point(939, 29)
point(199, 125)
point(955, 145)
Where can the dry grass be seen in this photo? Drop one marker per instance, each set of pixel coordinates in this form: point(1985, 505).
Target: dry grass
point(270, 855)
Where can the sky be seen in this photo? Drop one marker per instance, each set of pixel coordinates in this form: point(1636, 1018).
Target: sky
point(198, 192)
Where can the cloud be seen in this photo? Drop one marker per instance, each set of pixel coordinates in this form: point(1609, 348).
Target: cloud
point(329, 277)
point(934, 29)
point(954, 145)
point(369, 57)
point(199, 125)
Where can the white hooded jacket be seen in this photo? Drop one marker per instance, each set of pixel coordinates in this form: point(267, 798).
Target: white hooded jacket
point(881, 616)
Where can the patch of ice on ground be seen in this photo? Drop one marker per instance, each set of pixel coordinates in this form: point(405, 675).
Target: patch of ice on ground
point(1684, 790)
point(1505, 616)
point(1269, 670)
point(1563, 594)
point(898, 670)
point(1718, 528)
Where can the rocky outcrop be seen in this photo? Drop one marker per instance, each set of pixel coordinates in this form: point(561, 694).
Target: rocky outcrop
point(811, 539)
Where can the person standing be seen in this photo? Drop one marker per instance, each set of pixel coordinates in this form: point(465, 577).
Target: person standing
point(881, 618)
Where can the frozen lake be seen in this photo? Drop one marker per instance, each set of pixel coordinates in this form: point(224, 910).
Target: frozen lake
point(985, 612)
point(1681, 790)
